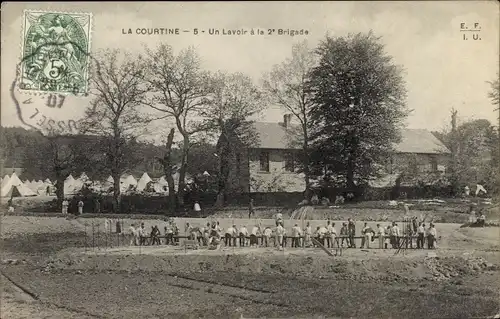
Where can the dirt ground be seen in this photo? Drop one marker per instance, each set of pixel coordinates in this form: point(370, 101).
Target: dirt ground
point(50, 271)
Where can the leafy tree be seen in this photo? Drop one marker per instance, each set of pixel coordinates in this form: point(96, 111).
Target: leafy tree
point(14, 143)
point(495, 92)
point(275, 181)
point(114, 114)
point(179, 90)
point(494, 95)
point(233, 100)
point(202, 158)
point(56, 156)
point(474, 144)
point(286, 86)
point(358, 106)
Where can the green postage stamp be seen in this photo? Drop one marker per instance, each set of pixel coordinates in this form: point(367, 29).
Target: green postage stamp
point(55, 52)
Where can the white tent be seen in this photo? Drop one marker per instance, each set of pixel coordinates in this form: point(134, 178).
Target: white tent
point(32, 185)
point(70, 185)
point(143, 182)
point(126, 182)
point(27, 183)
point(108, 183)
point(47, 181)
point(5, 180)
point(14, 187)
point(161, 185)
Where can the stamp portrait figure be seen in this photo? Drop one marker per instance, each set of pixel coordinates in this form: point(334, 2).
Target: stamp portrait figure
point(55, 54)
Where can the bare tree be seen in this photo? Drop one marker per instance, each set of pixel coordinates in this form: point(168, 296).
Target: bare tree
point(179, 89)
point(233, 101)
point(286, 86)
point(167, 164)
point(114, 113)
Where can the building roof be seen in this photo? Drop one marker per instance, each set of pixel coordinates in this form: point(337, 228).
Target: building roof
point(419, 141)
point(272, 135)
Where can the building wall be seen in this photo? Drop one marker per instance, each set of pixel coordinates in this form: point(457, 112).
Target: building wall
point(422, 163)
point(239, 174)
point(251, 178)
point(276, 178)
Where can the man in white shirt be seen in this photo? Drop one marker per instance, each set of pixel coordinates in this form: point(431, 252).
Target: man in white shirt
point(322, 234)
point(431, 237)
point(218, 228)
point(467, 191)
point(332, 234)
point(65, 205)
point(295, 236)
point(169, 234)
point(280, 232)
point(142, 235)
point(363, 231)
point(279, 218)
point(133, 233)
point(381, 236)
point(420, 236)
point(243, 235)
point(254, 235)
point(80, 207)
point(307, 235)
point(388, 233)
point(228, 236)
point(197, 209)
point(479, 189)
point(367, 233)
point(395, 235)
point(267, 236)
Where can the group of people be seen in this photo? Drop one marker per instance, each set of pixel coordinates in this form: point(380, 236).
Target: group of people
point(213, 235)
point(65, 206)
point(476, 219)
point(139, 236)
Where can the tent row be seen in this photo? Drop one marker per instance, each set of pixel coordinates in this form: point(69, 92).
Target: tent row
point(13, 186)
point(127, 183)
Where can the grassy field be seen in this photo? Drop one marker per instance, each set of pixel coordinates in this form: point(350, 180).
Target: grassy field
point(51, 259)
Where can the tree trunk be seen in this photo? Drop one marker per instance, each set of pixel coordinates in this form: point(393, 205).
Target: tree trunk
point(454, 167)
point(350, 173)
point(305, 150)
point(224, 170)
point(182, 171)
point(116, 192)
point(167, 169)
point(59, 190)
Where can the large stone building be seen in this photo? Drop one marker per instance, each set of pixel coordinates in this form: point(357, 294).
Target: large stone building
point(270, 166)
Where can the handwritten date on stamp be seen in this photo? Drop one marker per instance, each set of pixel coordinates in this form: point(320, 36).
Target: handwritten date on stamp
point(55, 52)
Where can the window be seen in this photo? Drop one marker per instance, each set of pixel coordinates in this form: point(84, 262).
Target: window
point(264, 161)
point(434, 164)
point(289, 162)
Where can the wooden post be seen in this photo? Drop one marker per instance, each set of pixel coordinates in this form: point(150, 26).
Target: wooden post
point(321, 246)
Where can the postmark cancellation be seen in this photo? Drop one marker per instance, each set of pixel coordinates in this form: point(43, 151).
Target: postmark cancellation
point(55, 51)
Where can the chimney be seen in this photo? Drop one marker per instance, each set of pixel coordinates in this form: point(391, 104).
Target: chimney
point(286, 120)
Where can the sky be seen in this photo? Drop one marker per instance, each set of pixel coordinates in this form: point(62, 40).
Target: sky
point(442, 70)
